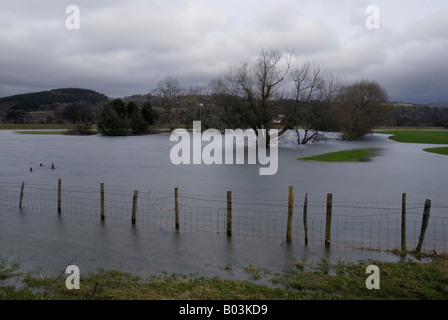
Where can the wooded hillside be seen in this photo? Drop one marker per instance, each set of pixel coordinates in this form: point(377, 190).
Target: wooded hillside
point(46, 106)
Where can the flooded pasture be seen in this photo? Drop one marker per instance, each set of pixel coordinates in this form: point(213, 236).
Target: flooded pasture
point(41, 239)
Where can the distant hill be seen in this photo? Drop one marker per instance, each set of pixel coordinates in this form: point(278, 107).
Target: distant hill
point(18, 107)
point(139, 99)
point(35, 100)
point(407, 104)
point(438, 104)
point(421, 115)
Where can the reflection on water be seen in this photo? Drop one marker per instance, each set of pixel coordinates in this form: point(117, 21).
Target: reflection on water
point(375, 152)
point(49, 242)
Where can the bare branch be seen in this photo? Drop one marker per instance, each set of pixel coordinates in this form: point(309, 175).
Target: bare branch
point(261, 86)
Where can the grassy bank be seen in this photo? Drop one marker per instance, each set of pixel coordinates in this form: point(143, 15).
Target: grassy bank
point(441, 150)
point(420, 136)
point(10, 126)
point(417, 136)
point(342, 156)
point(42, 132)
point(320, 281)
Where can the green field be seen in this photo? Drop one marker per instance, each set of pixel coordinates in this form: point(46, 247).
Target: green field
point(420, 136)
point(417, 136)
point(13, 126)
point(441, 150)
point(342, 156)
point(41, 132)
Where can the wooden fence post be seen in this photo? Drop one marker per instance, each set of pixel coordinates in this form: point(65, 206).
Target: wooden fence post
point(102, 201)
point(425, 219)
point(176, 206)
point(305, 218)
point(134, 207)
point(59, 196)
point(403, 223)
point(229, 213)
point(290, 214)
point(328, 220)
point(21, 194)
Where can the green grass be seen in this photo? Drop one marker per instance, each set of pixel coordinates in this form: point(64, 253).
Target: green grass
point(411, 280)
point(417, 136)
point(41, 132)
point(11, 126)
point(441, 150)
point(342, 156)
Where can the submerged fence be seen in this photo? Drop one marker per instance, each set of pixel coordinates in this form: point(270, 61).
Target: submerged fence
point(329, 222)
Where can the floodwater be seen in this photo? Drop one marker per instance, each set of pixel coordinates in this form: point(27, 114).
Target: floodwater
point(48, 242)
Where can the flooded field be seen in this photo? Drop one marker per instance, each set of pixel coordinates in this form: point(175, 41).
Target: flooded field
point(46, 241)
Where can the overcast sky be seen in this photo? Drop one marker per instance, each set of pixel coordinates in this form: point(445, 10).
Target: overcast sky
point(125, 47)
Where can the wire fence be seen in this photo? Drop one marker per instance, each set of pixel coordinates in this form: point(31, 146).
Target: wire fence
point(366, 225)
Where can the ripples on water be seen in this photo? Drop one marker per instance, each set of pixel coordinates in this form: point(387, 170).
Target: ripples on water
point(50, 241)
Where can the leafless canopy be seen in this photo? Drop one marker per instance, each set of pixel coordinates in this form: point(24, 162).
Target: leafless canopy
point(168, 95)
point(260, 85)
point(314, 89)
point(312, 82)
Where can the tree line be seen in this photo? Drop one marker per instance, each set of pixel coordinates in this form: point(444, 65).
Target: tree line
point(275, 92)
point(271, 92)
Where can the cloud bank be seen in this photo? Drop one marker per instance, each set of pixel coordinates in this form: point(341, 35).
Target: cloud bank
point(126, 47)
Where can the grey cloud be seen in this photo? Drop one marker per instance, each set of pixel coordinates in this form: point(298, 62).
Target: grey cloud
point(125, 47)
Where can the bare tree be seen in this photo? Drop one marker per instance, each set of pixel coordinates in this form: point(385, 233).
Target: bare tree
point(169, 95)
point(204, 103)
point(227, 107)
point(260, 85)
point(314, 91)
point(360, 107)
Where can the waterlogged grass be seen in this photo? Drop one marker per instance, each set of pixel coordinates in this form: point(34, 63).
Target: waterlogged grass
point(407, 280)
point(418, 136)
point(13, 126)
point(342, 156)
point(410, 280)
point(441, 150)
point(41, 132)
point(9, 270)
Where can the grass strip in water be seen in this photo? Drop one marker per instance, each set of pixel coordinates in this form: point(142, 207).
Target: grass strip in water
point(417, 136)
point(342, 156)
point(441, 150)
point(41, 132)
point(18, 126)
